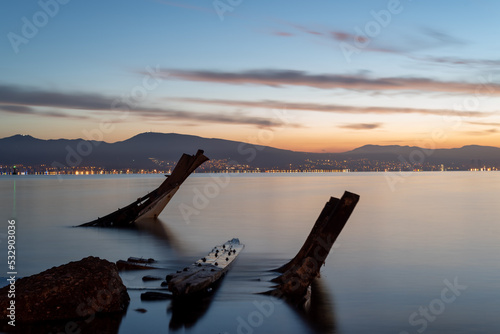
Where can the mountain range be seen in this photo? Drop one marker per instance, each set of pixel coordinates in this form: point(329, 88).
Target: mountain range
point(141, 151)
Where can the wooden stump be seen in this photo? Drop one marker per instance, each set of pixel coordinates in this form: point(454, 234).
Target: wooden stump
point(151, 205)
point(299, 273)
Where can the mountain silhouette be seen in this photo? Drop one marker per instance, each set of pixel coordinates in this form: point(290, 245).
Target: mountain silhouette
point(139, 152)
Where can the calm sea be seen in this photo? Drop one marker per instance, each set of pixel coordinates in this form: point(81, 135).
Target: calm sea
point(420, 254)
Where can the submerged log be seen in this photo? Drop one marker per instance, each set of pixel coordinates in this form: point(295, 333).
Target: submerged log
point(140, 260)
point(299, 273)
point(205, 272)
point(151, 278)
point(131, 265)
point(152, 204)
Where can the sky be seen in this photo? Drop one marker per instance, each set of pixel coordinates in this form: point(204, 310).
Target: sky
point(318, 76)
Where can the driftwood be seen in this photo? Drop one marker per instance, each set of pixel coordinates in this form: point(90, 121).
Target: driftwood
point(299, 273)
point(151, 278)
point(205, 272)
point(130, 265)
point(140, 260)
point(151, 205)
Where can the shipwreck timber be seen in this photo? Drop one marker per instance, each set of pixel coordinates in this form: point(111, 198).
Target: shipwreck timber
point(304, 268)
point(152, 204)
point(205, 272)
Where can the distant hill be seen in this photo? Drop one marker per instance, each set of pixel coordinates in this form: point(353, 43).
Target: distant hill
point(136, 152)
point(471, 155)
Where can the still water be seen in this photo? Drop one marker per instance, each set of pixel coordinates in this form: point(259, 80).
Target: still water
point(420, 254)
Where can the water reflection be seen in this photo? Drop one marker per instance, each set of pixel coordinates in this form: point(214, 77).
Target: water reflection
point(319, 313)
point(159, 229)
point(100, 323)
point(318, 309)
point(186, 311)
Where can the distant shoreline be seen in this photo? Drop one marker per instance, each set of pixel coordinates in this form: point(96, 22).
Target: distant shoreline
point(257, 172)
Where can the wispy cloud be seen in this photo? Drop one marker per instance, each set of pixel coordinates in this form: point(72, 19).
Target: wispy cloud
point(361, 126)
point(282, 78)
point(452, 61)
point(336, 108)
point(441, 38)
point(163, 114)
point(27, 101)
point(32, 97)
point(282, 33)
point(24, 110)
point(424, 39)
point(482, 133)
point(335, 36)
point(307, 30)
point(485, 123)
point(17, 109)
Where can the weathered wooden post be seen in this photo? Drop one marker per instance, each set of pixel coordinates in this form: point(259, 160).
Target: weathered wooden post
point(151, 205)
point(299, 273)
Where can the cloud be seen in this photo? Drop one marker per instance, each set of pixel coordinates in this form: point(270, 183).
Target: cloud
point(162, 114)
point(361, 126)
point(343, 36)
point(441, 38)
point(484, 123)
point(26, 101)
point(335, 108)
point(282, 78)
point(460, 61)
point(29, 97)
point(282, 33)
point(307, 30)
point(337, 36)
point(424, 39)
point(18, 109)
point(482, 133)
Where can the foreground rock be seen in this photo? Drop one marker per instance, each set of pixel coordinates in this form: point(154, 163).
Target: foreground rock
point(78, 289)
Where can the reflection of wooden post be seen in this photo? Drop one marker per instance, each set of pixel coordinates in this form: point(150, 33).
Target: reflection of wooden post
point(150, 205)
point(299, 273)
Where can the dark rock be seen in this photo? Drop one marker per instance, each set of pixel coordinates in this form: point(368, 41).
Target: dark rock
point(75, 290)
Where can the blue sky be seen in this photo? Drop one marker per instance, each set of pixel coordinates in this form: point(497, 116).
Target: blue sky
point(315, 76)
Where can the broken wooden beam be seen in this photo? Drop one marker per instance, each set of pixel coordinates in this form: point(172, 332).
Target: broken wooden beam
point(152, 204)
point(299, 273)
point(205, 272)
